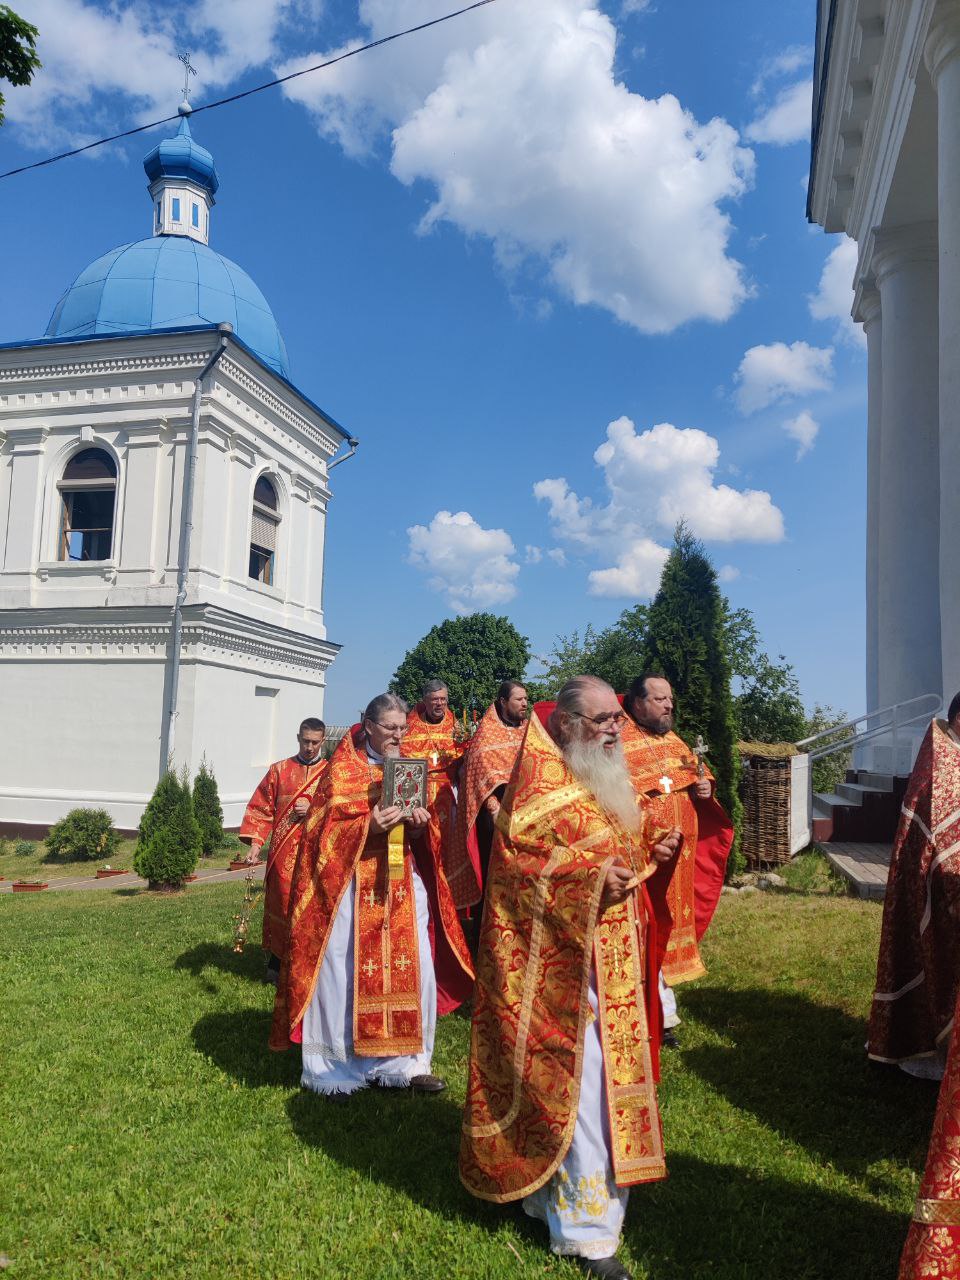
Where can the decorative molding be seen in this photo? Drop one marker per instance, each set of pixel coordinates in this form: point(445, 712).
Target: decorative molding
point(895, 247)
point(277, 406)
point(212, 634)
point(91, 368)
point(942, 44)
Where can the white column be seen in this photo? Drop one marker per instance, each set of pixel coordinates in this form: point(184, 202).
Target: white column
point(869, 313)
point(908, 493)
point(943, 60)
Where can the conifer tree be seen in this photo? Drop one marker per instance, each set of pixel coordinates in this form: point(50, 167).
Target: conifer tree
point(169, 844)
point(207, 809)
point(685, 640)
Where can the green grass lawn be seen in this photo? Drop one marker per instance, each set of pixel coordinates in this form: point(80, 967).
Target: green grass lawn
point(147, 1132)
point(35, 865)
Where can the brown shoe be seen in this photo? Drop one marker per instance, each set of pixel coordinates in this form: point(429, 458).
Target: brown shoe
point(427, 1084)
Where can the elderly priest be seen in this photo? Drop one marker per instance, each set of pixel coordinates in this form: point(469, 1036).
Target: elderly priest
point(375, 948)
point(562, 1103)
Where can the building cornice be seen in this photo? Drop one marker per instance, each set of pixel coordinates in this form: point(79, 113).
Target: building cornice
point(209, 633)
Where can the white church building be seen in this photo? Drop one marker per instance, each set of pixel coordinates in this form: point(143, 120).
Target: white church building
point(886, 170)
point(163, 497)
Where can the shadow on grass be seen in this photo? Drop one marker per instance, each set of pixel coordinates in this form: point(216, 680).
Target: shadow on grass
point(217, 955)
point(801, 1069)
point(722, 1221)
point(237, 1043)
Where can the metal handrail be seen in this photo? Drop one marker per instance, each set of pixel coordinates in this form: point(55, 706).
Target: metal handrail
point(934, 701)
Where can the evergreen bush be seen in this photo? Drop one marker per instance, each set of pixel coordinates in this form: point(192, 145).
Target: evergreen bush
point(169, 842)
point(207, 810)
point(686, 641)
point(84, 835)
point(24, 848)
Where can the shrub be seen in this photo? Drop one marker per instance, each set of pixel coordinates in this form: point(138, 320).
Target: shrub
point(24, 848)
point(231, 841)
point(84, 835)
point(169, 842)
point(207, 810)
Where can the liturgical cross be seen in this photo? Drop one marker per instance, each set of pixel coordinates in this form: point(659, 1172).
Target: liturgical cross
point(700, 750)
point(667, 784)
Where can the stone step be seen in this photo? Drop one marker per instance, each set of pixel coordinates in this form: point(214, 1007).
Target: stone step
point(828, 800)
point(879, 781)
point(857, 792)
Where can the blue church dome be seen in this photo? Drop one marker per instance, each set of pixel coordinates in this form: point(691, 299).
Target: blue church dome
point(168, 282)
point(182, 157)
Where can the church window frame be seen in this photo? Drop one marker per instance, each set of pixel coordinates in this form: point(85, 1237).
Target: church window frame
point(175, 208)
point(195, 215)
point(87, 494)
point(265, 520)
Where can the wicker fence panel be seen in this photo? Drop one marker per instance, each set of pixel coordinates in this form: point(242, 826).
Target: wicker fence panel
point(765, 790)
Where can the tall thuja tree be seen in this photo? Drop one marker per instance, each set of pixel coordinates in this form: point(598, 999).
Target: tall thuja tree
point(168, 844)
point(685, 639)
point(207, 809)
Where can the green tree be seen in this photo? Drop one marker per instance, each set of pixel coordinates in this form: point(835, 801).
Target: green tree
point(18, 51)
point(169, 845)
point(768, 707)
point(207, 809)
point(472, 654)
point(570, 656)
point(687, 642)
point(831, 770)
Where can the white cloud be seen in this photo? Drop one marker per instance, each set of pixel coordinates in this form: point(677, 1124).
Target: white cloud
point(728, 573)
point(470, 565)
point(94, 53)
point(515, 117)
point(803, 428)
point(834, 296)
point(652, 480)
point(558, 556)
point(787, 63)
point(532, 555)
point(636, 573)
point(786, 119)
point(777, 371)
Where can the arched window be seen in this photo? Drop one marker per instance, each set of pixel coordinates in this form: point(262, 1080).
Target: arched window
point(263, 531)
point(88, 490)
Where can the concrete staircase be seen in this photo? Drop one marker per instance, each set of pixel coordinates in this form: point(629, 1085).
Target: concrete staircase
point(864, 809)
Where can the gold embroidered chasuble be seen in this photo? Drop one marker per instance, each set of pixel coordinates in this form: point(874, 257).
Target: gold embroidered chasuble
point(663, 769)
point(442, 746)
point(337, 847)
point(487, 764)
point(270, 816)
point(918, 965)
point(542, 934)
point(932, 1249)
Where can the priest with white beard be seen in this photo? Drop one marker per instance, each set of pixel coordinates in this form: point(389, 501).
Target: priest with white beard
point(561, 1105)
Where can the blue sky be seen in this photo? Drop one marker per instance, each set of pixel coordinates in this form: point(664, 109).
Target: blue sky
point(483, 246)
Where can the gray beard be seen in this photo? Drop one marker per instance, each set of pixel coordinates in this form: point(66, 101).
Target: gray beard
point(604, 773)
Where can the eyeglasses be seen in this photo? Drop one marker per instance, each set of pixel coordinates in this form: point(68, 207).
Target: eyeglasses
point(611, 718)
point(391, 728)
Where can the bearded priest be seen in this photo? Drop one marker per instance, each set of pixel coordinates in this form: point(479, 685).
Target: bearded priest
point(434, 734)
point(487, 764)
point(276, 812)
point(561, 1104)
point(678, 789)
point(375, 948)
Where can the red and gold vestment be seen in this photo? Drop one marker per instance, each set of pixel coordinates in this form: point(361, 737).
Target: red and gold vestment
point(932, 1250)
point(338, 845)
point(487, 764)
point(543, 934)
point(442, 746)
point(270, 816)
point(918, 968)
point(664, 771)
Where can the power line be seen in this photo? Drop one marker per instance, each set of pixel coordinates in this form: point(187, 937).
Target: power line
point(235, 97)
